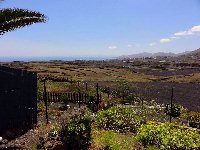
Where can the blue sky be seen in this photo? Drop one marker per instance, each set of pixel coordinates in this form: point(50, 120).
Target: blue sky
point(105, 28)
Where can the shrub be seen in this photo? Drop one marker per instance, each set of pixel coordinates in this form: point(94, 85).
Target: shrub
point(193, 118)
point(123, 89)
point(76, 134)
point(40, 106)
point(168, 136)
point(54, 131)
point(64, 98)
point(92, 104)
point(119, 118)
point(131, 98)
point(106, 90)
point(151, 111)
point(175, 111)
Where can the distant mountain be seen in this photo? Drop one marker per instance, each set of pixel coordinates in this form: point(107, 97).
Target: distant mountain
point(187, 54)
point(195, 55)
point(183, 53)
point(145, 54)
point(163, 54)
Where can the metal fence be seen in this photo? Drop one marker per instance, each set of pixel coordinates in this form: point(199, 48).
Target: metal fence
point(82, 98)
point(18, 98)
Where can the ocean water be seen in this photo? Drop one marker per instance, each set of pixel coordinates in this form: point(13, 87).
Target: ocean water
point(27, 59)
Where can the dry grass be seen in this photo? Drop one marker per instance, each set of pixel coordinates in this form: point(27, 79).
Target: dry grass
point(113, 141)
point(193, 78)
point(89, 73)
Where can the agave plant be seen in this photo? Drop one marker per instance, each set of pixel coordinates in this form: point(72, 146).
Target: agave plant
point(12, 19)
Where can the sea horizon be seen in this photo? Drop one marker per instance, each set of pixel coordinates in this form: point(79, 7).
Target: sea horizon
point(51, 58)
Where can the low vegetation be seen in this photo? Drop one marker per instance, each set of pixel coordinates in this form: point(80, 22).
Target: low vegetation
point(119, 118)
point(193, 118)
point(168, 136)
point(133, 112)
point(107, 139)
point(76, 134)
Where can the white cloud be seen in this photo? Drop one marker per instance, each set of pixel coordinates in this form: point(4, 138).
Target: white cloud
point(183, 33)
point(152, 44)
point(165, 40)
point(133, 45)
point(190, 31)
point(175, 37)
point(196, 28)
point(112, 47)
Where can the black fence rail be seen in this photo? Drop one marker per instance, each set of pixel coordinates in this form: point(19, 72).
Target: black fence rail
point(18, 98)
point(72, 97)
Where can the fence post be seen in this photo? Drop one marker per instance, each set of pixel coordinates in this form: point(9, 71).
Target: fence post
point(86, 86)
point(97, 93)
point(170, 119)
point(79, 98)
point(71, 80)
point(108, 92)
point(45, 100)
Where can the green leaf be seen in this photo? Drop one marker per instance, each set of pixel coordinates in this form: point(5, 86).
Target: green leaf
point(11, 19)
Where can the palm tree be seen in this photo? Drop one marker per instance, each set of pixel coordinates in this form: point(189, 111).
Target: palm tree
point(12, 19)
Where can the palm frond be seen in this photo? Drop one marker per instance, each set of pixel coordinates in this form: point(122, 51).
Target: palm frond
point(11, 19)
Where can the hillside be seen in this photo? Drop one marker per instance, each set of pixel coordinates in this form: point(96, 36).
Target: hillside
point(145, 54)
point(193, 55)
point(188, 56)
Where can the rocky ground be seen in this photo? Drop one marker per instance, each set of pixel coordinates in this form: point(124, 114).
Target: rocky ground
point(38, 135)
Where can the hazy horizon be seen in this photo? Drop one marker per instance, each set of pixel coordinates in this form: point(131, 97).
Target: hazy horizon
point(49, 58)
point(67, 58)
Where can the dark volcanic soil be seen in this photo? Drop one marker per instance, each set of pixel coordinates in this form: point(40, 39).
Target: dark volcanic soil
point(186, 94)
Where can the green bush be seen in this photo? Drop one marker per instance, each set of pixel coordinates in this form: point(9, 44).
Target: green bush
point(174, 111)
point(151, 111)
point(119, 118)
point(123, 89)
point(54, 131)
point(64, 98)
point(92, 104)
point(168, 136)
point(193, 118)
point(76, 134)
point(131, 98)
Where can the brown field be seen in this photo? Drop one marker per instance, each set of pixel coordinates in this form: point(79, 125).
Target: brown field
point(152, 81)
